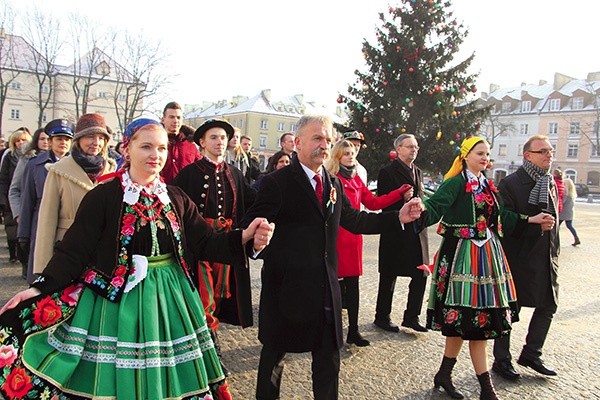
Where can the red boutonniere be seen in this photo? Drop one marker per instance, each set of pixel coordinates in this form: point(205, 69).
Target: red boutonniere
point(332, 197)
point(471, 186)
point(492, 187)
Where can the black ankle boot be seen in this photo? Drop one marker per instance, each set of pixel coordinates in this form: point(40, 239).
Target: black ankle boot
point(444, 378)
point(215, 339)
point(354, 337)
point(487, 388)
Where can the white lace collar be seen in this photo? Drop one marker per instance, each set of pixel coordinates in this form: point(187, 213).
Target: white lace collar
point(132, 190)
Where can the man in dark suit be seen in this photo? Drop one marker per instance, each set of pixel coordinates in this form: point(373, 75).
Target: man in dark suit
point(400, 252)
point(532, 255)
point(300, 304)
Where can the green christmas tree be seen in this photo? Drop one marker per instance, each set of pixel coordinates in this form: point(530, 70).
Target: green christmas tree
point(412, 84)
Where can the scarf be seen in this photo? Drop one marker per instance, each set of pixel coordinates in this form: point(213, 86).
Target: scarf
point(466, 146)
point(540, 194)
point(347, 172)
point(92, 165)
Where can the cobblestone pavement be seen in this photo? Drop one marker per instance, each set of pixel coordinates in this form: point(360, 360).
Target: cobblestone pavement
point(402, 365)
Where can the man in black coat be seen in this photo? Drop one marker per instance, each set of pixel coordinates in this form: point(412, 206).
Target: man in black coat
point(401, 251)
point(532, 255)
point(300, 304)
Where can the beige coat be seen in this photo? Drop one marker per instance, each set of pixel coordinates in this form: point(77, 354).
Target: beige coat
point(65, 186)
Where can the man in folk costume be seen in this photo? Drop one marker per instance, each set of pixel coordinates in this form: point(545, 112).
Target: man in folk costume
point(533, 256)
point(222, 195)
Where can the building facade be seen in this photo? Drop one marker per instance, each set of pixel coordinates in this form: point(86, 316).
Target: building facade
point(260, 117)
point(566, 110)
point(96, 79)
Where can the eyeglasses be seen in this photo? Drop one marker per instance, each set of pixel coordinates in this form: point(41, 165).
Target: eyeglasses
point(412, 147)
point(543, 152)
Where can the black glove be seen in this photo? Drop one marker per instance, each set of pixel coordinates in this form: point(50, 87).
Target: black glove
point(23, 250)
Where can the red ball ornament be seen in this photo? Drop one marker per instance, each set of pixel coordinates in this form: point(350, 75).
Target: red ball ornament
point(340, 99)
point(411, 69)
point(393, 155)
point(473, 89)
point(430, 91)
point(385, 83)
point(398, 48)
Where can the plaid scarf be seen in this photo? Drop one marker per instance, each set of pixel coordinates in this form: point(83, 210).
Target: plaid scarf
point(540, 194)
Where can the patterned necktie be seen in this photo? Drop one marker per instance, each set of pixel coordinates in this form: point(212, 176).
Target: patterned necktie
point(319, 188)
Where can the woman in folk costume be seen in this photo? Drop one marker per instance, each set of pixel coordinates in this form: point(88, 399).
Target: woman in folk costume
point(342, 163)
point(472, 293)
point(113, 315)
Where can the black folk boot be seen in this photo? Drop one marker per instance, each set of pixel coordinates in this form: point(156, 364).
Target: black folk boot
point(487, 388)
point(444, 378)
point(354, 337)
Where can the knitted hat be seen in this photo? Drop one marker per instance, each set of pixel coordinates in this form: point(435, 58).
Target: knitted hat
point(88, 124)
point(213, 123)
point(59, 127)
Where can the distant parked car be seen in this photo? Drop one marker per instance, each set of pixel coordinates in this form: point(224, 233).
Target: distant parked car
point(582, 189)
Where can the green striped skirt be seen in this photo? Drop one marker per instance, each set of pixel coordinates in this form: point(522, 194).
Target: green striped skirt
point(153, 344)
point(472, 290)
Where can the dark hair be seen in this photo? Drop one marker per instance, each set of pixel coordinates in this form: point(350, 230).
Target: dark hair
point(32, 147)
point(284, 135)
point(187, 132)
point(274, 160)
point(118, 147)
point(173, 105)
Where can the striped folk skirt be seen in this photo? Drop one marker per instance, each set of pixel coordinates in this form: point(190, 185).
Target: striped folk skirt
point(472, 290)
point(153, 344)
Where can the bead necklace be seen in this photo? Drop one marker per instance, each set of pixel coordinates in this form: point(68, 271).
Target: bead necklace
point(153, 206)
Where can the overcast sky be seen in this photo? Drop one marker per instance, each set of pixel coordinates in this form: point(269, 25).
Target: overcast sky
point(228, 47)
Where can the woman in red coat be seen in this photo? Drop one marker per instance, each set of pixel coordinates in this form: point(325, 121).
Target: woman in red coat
point(342, 163)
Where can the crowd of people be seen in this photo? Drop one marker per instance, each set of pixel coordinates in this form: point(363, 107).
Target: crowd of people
point(144, 250)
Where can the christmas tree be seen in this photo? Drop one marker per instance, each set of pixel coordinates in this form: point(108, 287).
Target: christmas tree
point(413, 85)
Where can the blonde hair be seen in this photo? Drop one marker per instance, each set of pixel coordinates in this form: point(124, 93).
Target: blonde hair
point(12, 140)
point(332, 164)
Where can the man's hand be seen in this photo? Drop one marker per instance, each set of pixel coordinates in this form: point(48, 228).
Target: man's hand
point(261, 231)
point(546, 221)
point(411, 210)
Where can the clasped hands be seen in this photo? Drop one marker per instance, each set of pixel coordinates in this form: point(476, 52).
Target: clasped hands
point(411, 210)
point(260, 231)
point(545, 221)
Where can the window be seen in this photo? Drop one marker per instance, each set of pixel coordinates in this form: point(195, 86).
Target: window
point(502, 150)
point(240, 123)
point(102, 95)
point(574, 129)
point(15, 113)
point(594, 152)
point(524, 129)
point(44, 118)
point(593, 178)
point(577, 103)
point(16, 85)
point(505, 107)
point(281, 126)
point(526, 106)
point(553, 128)
point(520, 151)
point(292, 127)
point(571, 174)
point(572, 150)
point(263, 124)
point(554, 104)
point(45, 89)
point(262, 141)
point(122, 97)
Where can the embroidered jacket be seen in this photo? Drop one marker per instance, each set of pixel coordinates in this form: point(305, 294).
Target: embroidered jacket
point(95, 243)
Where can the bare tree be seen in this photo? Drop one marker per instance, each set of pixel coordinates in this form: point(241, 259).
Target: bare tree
point(497, 127)
point(9, 69)
point(43, 33)
point(91, 65)
point(139, 77)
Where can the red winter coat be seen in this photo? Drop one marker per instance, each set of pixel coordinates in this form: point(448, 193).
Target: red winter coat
point(560, 188)
point(349, 245)
point(181, 153)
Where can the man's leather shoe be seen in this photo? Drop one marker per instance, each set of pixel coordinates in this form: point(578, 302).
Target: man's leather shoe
point(386, 325)
point(414, 325)
point(537, 365)
point(505, 369)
